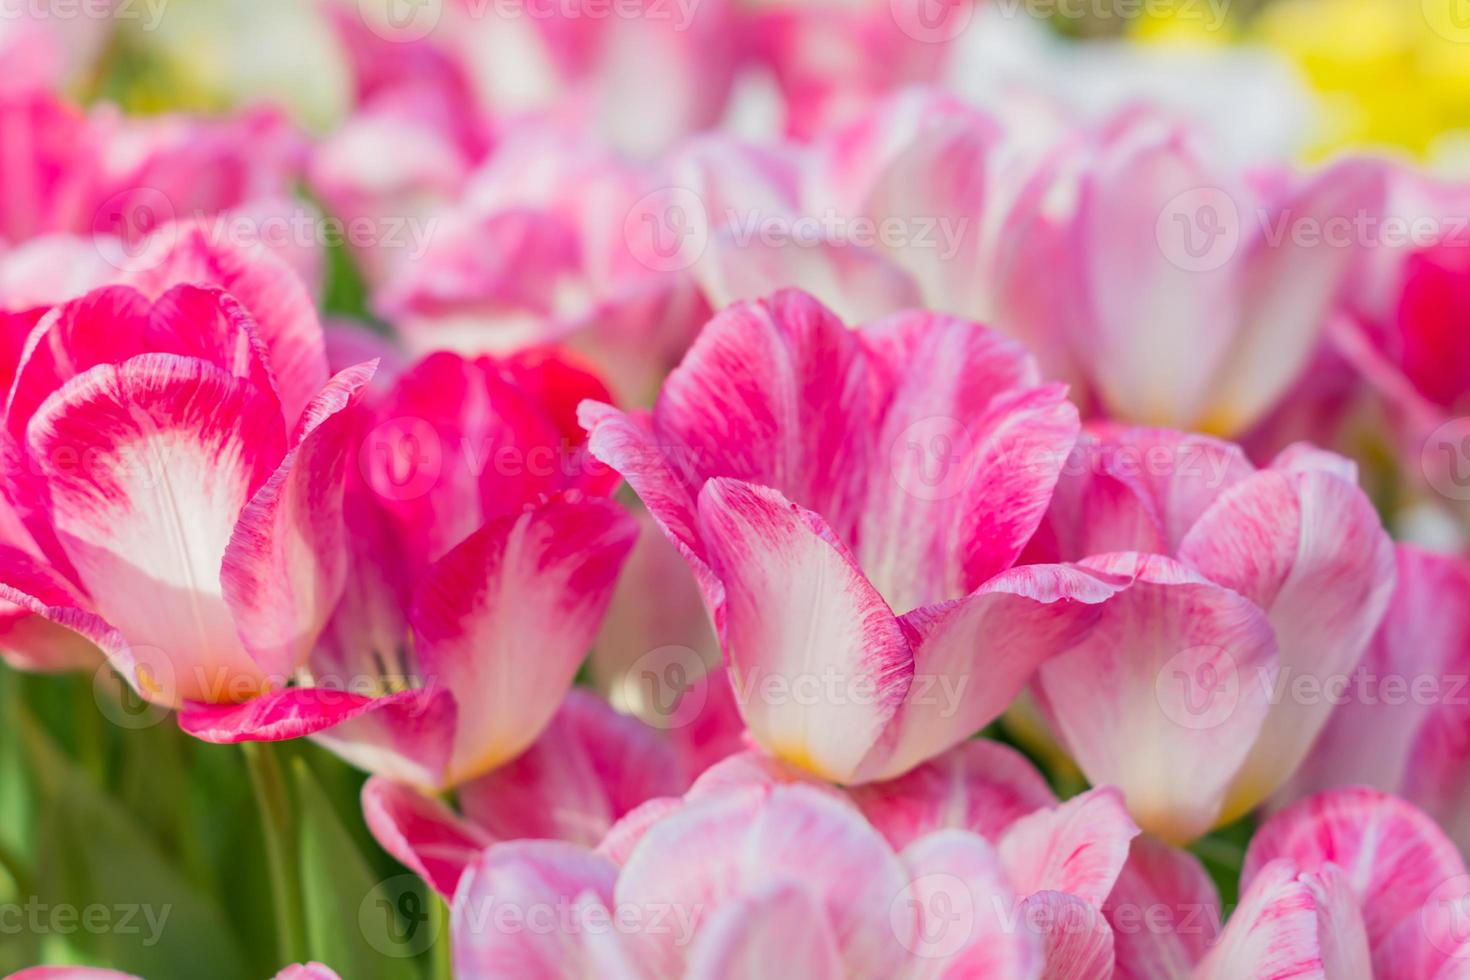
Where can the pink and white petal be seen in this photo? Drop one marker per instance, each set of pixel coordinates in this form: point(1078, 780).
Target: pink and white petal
point(268, 288)
point(1394, 856)
point(70, 973)
point(1077, 848)
point(720, 847)
point(776, 392)
point(1340, 926)
point(1094, 512)
point(1309, 549)
point(405, 735)
point(540, 580)
point(52, 269)
point(1304, 457)
point(517, 879)
point(1165, 695)
point(1077, 941)
point(624, 835)
point(776, 930)
point(1003, 632)
point(958, 915)
point(1164, 910)
point(1289, 290)
point(307, 971)
point(979, 786)
point(421, 832)
point(818, 662)
point(588, 769)
point(287, 560)
point(170, 449)
point(1140, 282)
point(752, 768)
point(207, 323)
point(966, 459)
point(29, 640)
point(1273, 934)
point(105, 326)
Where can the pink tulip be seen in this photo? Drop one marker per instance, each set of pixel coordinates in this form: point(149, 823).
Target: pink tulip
point(754, 882)
point(1202, 685)
point(483, 558)
point(1400, 716)
point(177, 461)
point(816, 479)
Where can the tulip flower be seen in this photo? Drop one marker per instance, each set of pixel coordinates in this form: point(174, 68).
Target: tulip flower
point(1399, 716)
point(1203, 683)
point(484, 556)
point(751, 881)
point(816, 479)
point(297, 971)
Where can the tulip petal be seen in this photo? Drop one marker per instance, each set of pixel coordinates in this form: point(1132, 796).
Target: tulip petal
point(170, 449)
point(776, 930)
point(1165, 695)
point(287, 561)
point(776, 393)
point(590, 767)
point(1077, 848)
point(275, 297)
point(979, 786)
point(1309, 549)
point(1394, 856)
point(1007, 628)
point(817, 659)
point(1164, 910)
point(1077, 942)
point(32, 641)
point(540, 581)
point(1273, 933)
point(424, 834)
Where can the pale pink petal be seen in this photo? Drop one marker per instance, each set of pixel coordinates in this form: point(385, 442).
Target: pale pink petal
point(1340, 926)
point(165, 452)
point(537, 581)
point(1289, 287)
point(1164, 910)
point(624, 835)
point(776, 930)
point(287, 561)
point(1077, 942)
point(1308, 548)
point(1394, 856)
point(818, 662)
point(514, 882)
point(272, 293)
point(1145, 276)
point(966, 458)
point(28, 640)
point(724, 846)
point(1273, 934)
point(776, 393)
point(588, 769)
point(1008, 627)
point(307, 971)
point(1077, 848)
point(421, 832)
point(1165, 695)
point(958, 915)
point(979, 786)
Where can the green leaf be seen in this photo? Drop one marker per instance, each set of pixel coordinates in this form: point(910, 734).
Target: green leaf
point(105, 891)
point(358, 923)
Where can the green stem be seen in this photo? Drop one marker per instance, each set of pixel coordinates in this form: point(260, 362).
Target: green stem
point(440, 965)
point(281, 851)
